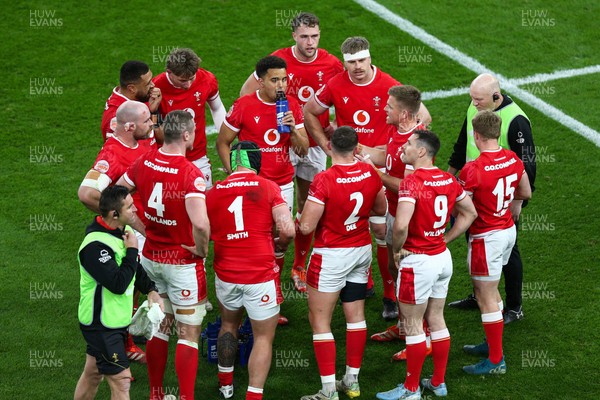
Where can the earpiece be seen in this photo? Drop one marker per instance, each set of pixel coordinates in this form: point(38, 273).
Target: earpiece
point(495, 97)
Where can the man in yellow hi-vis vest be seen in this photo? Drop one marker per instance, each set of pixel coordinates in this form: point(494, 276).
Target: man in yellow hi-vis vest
point(109, 273)
point(515, 135)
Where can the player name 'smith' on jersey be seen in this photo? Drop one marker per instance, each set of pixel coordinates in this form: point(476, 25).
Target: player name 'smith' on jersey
point(434, 193)
point(242, 208)
point(348, 192)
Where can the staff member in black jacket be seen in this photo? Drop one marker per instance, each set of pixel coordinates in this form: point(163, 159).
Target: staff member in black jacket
point(109, 273)
point(515, 135)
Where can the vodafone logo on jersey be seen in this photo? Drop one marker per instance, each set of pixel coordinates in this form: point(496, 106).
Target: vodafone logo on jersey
point(305, 93)
point(272, 137)
point(189, 110)
point(361, 118)
point(265, 298)
point(185, 293)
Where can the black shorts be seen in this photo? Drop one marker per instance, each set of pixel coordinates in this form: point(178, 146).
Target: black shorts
point(108, 347)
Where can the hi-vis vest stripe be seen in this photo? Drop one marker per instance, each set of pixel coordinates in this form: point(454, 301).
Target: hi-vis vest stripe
point(115, 309)
point(507, 114)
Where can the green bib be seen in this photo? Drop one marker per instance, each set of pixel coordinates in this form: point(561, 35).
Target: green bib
point(507, 114)
point(115, 309)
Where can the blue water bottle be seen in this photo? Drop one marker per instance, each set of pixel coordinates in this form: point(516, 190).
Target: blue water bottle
point(211, 335)
point(281, 104)
point(245, 341)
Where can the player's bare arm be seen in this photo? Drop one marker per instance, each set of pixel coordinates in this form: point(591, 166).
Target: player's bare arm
point(250, 86)
point(466, 214)
point(284, 226)
point(88, 192)
point(310, 216)
point(523, 192)
point(217, 110)
point(404, 213)
point(312, 110)
point(298, 137)
point(196, 209)
point(224, 139)
point(379, 209)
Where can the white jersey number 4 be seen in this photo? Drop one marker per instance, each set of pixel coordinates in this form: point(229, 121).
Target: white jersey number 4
point(156, 199)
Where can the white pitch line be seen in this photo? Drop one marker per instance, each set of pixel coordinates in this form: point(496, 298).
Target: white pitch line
point(477, 67)
point(528, 80)
point(560, 74)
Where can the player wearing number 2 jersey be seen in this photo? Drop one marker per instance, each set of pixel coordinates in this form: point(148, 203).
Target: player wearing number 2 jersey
point(172, 191)
point(247, 207)
point(493, 180)
point(425, 200)
point(339, 204)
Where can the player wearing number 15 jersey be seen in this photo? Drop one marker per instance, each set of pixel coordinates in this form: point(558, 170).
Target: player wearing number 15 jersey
point(172, 191)
point(339, 204)
point(493, 180)
point(425, 200)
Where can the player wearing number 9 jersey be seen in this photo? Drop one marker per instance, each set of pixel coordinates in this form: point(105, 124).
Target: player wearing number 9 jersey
point(172, 191)
point(425, 200)
point(493, 180)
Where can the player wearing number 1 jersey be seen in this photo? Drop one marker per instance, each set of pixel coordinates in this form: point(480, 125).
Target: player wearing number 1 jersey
point(172, 191)
point(493, 180)
point(425, 200)
point(339, 204)
point(309, 68)
point(246, 207)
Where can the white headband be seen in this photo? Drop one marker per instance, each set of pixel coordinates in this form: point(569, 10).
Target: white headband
point(357, 56)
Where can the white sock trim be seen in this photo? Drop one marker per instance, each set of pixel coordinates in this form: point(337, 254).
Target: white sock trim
point(491, 317)
point(328, 379)
point(161, 336)
point(352, 371)
point(188, 343)
point(253, 389)
point(381, 242)
point(415, 339)
point(356, 325)
point(225, 369)
point(439, 335)
point(322, 336)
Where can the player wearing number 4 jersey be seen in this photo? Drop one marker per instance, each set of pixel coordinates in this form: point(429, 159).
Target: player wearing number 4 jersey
point(172, 191)
point(246, 207)
point(494, 179)
point(425, 200)
point(340, 201)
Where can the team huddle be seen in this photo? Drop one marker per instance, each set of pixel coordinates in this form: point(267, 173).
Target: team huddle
point(158, 207)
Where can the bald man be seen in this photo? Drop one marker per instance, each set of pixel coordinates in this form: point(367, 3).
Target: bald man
point(133, 124)
point(515, 135)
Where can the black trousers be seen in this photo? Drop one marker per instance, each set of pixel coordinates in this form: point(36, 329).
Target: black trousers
point(513, 276)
